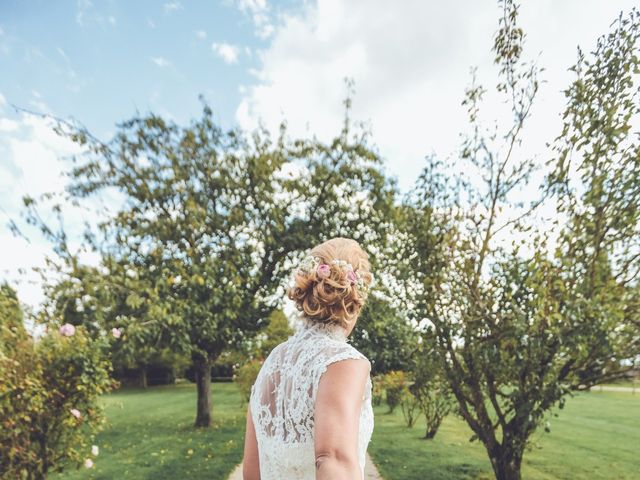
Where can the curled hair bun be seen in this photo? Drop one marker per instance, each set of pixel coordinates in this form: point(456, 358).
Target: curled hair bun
point(331, 284)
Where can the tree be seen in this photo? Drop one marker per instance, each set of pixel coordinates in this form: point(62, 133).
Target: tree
point(98, 298)
point(245, 376)
point(384, 335)
point(11, 319)
point(276, 332)
point(522, 324)
point(212, 222)
point(429, 387)
point(201, 215)
point(394, 384)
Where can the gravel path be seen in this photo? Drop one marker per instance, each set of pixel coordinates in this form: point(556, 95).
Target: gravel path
point(370, 471)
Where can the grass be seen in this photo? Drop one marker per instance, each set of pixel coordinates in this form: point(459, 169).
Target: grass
point(595, 437)
point(621, 383)
point(149, 435)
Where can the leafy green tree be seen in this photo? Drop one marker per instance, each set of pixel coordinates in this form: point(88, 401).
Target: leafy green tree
point(99, 298)
point(394, 384)
point(212, 223)
point(276, 332)
point(429, 387)
point(385, 336)
point(11, 319)
point(202, 210)
point(521, 325)
point(410, 408)
point(245, 376)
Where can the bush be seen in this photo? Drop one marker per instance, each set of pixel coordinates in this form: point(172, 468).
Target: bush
point(431, 389)
point(246, 376)
point(410, 407)
point(394, 383)
point(377, 390)
point(48, 401)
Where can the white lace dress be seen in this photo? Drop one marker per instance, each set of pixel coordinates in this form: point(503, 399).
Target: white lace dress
point(283, 402)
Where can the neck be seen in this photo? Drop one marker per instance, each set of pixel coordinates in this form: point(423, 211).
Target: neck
point(331, 329)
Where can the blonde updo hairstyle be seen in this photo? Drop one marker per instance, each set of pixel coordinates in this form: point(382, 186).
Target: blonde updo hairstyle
point(333, 298)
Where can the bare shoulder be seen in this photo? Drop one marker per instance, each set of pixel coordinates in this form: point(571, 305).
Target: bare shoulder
point(346, 376)
point(338, 408)
point(350, 366)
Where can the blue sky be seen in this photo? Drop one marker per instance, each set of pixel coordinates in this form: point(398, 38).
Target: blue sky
point(102, 61)
point(261, 61)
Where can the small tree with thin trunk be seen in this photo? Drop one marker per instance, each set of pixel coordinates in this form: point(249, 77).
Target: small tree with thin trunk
point(430, 388)
point(525, 316)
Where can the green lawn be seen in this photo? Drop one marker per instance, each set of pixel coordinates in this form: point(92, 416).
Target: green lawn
point(149, 435)
point(596, 436)
point(622, 383)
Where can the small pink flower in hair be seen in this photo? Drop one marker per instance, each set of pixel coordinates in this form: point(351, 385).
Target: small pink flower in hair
point(323, 270)
point(352, 277)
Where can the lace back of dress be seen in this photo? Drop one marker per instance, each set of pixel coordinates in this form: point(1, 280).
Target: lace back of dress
point(283, 400)
point(285, 390)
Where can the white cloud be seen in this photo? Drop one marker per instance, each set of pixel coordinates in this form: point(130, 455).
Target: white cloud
point(258, 11)
point(410, 62)
point(226, 51)
point(8, 125)
point(34, 159)
point(172, 6)
point(201, 34)
point(161, 62)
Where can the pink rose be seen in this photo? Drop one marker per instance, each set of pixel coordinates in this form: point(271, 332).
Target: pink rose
point(67, 330)
point(116, 332)
point(76, 413)
point(352, 277)
point(323, 270)
point(88, 463)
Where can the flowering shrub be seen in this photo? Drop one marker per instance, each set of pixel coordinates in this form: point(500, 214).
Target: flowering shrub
point(48, 401)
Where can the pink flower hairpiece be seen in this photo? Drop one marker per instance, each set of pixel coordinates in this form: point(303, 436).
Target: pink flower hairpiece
point(323, 270)
point(314, 264)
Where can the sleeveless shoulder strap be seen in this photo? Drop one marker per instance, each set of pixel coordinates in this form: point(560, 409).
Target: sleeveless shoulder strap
point(332, 353)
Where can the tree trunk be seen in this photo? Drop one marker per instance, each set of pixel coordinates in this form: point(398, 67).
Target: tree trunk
point(144, 382)
point(431, 432)
point(506, 464)
point(203, 384)
point(433, 424)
